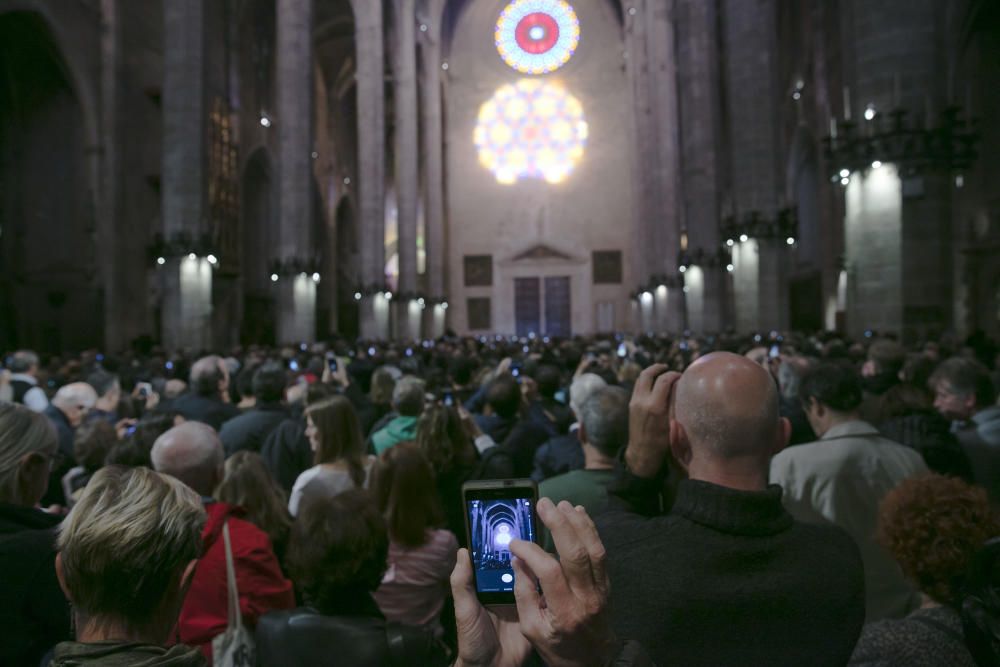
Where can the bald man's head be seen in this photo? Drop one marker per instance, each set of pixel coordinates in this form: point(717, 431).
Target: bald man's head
point(75, 400)
point(191, 452)
point(728, 407)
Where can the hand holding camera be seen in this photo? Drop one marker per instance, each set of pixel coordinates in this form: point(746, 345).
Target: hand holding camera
point(650, 411)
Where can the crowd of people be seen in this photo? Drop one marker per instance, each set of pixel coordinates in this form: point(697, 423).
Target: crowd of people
point(773, 499)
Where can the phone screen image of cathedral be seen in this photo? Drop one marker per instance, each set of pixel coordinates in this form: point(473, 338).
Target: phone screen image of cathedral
point(493, 524)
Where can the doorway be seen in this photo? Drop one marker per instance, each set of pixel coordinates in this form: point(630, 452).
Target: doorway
point(536, 297)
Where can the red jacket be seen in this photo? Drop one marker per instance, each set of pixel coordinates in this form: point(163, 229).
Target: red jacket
point(261, 584)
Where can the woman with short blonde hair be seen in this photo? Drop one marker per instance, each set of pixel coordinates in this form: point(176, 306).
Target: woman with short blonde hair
point(127, 554)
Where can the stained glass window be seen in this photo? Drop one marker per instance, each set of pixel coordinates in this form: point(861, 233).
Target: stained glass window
point(531, 129)
point(537, 36)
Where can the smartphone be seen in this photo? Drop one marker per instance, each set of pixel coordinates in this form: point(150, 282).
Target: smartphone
point(293, 365)
point(622, 350)
point(496, 512)
point(515, 370)
point(331, 361)
point(448, 398)
point(143, 389)
point(774, 351)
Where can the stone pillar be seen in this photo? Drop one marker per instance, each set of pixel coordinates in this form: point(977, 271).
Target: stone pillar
point(701, 126)
point(187, 283)
point(651, 68)
point(371, 162)
point(406, 155)
point(433, 170)
point(750, 72)
point(909, 213)
point(296, 289)
point(662, 66)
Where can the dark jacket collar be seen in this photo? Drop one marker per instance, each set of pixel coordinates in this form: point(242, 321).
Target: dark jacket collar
point(730, 511)
point(15, 518)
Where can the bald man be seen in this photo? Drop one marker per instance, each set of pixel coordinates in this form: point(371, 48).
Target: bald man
point(726, 577)
point(66, 412)
point(192, 452)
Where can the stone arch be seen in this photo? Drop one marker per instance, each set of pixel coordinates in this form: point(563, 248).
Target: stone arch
point(260, 236)
point(49, 280)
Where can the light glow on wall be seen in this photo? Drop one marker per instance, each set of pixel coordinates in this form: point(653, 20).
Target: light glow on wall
point(531, 129)
point(537, 36)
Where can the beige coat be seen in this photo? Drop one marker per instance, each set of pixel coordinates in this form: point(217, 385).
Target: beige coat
point(841, 479)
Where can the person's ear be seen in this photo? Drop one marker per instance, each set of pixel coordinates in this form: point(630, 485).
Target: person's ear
point(61, 576)
point(680, 447)
point(783, 436)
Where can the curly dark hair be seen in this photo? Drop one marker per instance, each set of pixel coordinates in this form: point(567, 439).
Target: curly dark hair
point(933, 526)
point(336, 544)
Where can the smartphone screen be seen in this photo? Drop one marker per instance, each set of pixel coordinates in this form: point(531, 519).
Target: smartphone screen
point(497, 512)
point(332, 361)
point(448, 398)
point(774, 351)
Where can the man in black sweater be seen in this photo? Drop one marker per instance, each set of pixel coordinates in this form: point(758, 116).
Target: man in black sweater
point(249, 431)
point(727, 577)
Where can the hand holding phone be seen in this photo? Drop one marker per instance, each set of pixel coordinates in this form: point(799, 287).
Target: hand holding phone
point(497, 512)
point(567, 624)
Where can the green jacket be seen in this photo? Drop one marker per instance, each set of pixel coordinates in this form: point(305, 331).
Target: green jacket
point(119, 654)
point(398, 430)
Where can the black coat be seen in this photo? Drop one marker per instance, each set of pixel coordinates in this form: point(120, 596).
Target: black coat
point(287, 453)
point(360, 636)
point(250, 430)
point(729, 578)
point(34, 613)
point(559, 455)
point(211, 411)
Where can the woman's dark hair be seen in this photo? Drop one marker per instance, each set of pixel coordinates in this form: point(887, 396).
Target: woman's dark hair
point(339, 435)
point(92, 442)
point(248, 483)
point(837, 386)
point(337, 543)
point(403, 487)
point(269, 382)
point(442, 439)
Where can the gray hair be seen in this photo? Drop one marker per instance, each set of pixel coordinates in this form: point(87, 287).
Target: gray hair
point(23, 361)
point(75, 394)
point(408, 396)
point(22, 432)
point(191, 452)
point(581, 390)
point(604, 415)
point(206, 374)
point(125, 543)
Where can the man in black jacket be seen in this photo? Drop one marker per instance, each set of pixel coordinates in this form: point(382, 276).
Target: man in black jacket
point(250, 430)
point(206, 402)
point(727, 577)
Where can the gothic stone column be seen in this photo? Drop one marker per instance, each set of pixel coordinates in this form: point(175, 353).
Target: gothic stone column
point(406, 154)
point(296, 289)
point(187, 296)
point(371, 162)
